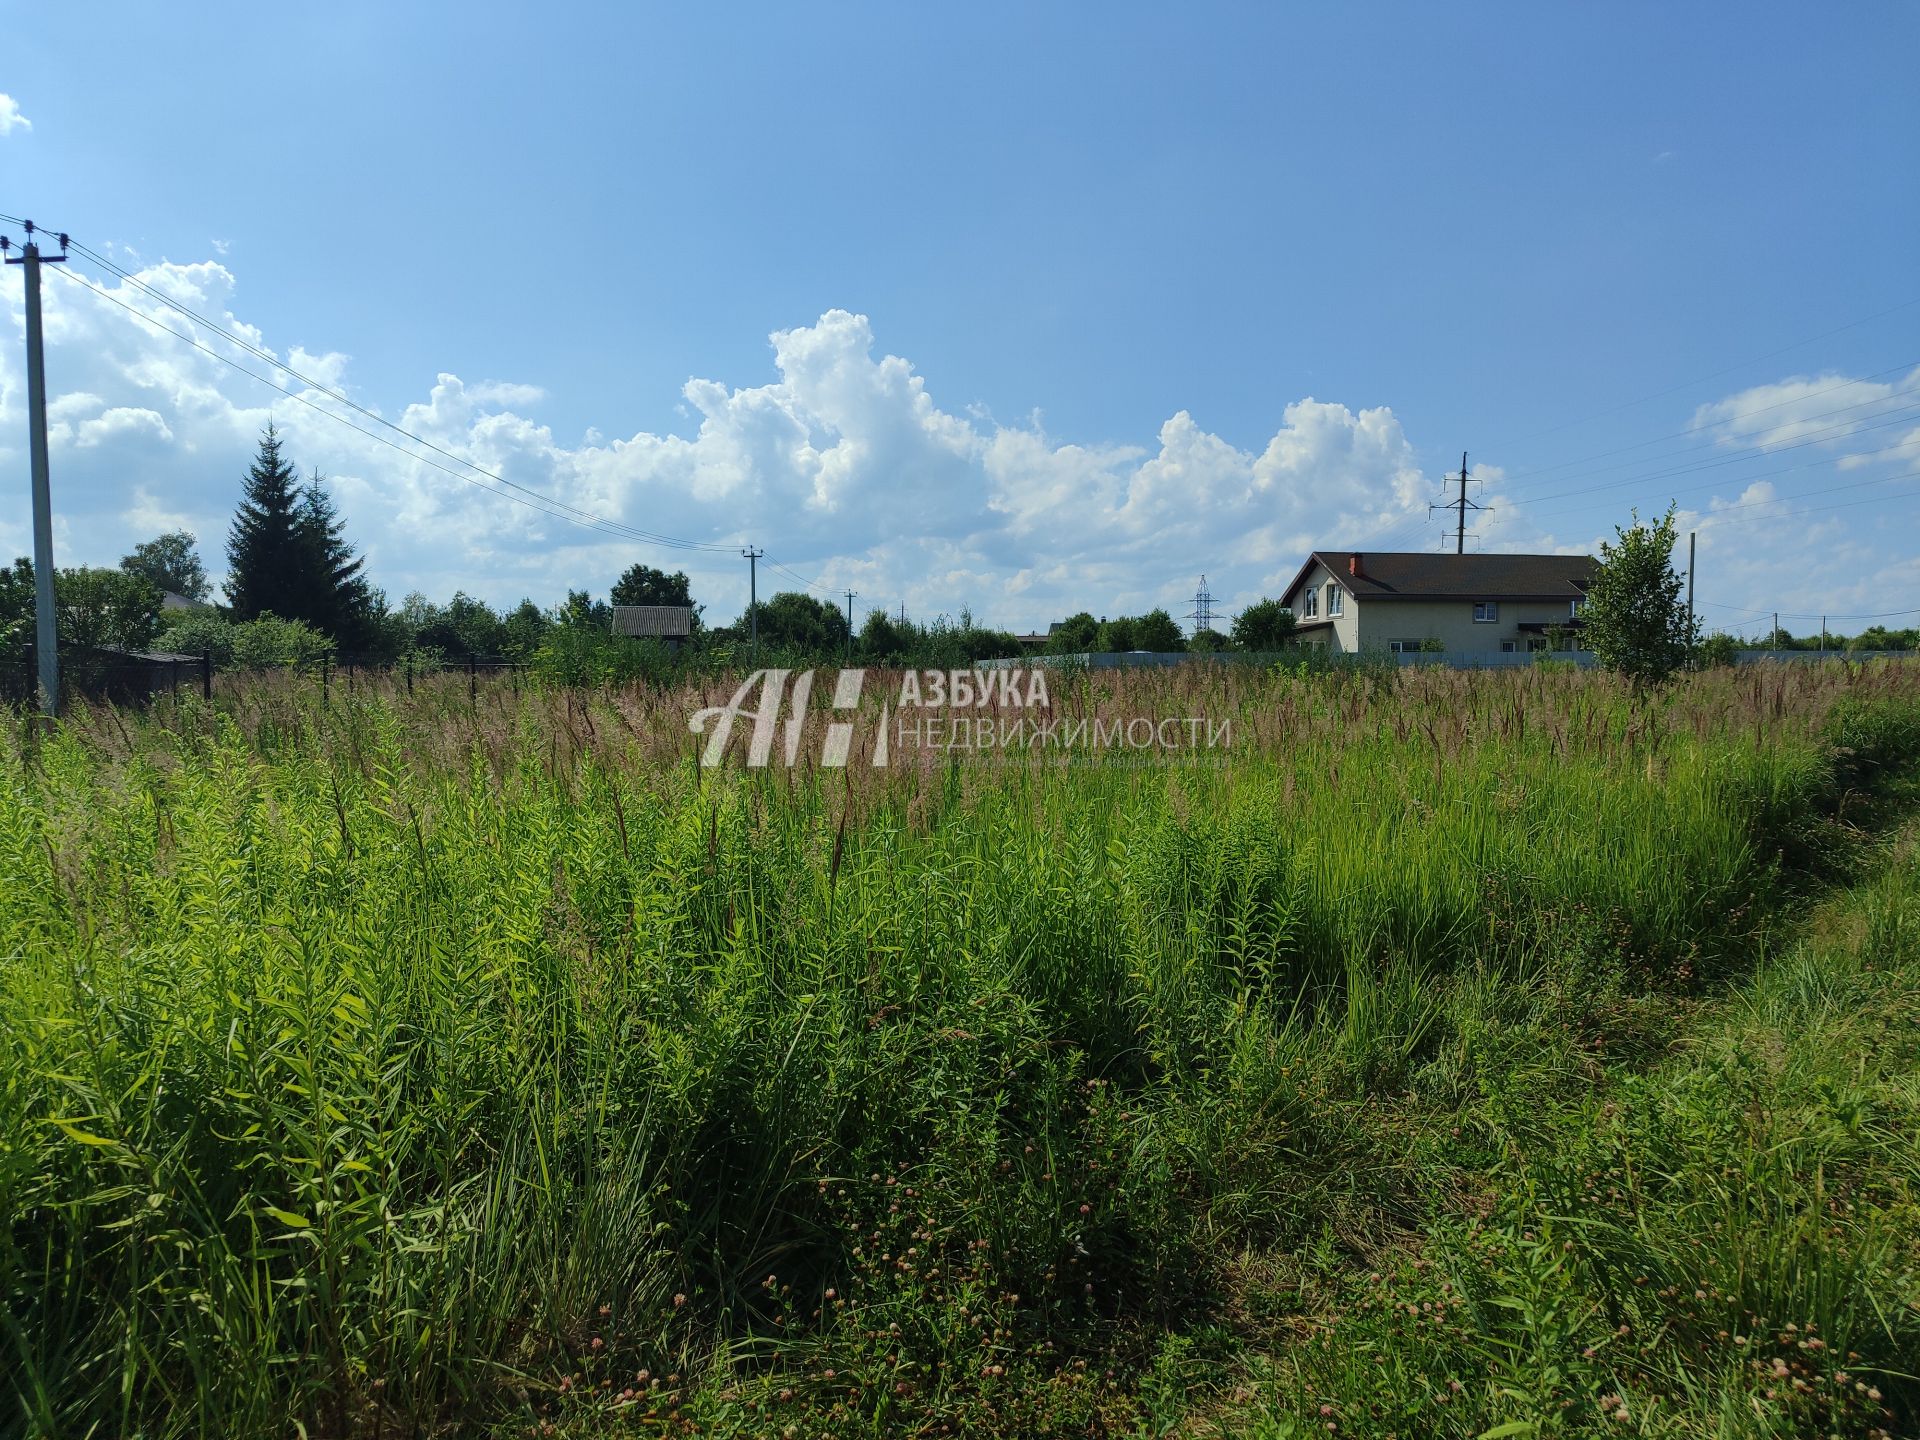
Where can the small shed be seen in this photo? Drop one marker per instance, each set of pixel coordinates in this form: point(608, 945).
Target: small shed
point(669, 624)
point(123, 677)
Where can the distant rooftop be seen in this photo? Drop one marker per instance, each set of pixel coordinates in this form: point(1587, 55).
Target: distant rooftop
point(1424, 575)
point(659, 622)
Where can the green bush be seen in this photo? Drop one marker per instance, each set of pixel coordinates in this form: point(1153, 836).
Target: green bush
point(1718, 649)
point(200, 633)
point(582, 655)
point(94, 608)
point(262, 644)
point(1264, 626)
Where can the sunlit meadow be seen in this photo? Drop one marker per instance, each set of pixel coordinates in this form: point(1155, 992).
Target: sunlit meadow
point(388, 1063)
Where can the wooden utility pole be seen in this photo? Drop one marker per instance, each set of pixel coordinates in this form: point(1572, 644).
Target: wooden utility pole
point(753, 601)
point(1693, 625)
point(46, 643)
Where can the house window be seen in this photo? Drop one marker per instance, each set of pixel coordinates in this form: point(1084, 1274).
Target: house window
point(1536, 642)
point(1404, 647)
point(1574, 607)
point(1336, 600)
point(1507, 647)
point(1311, 607)
point(1486, 612)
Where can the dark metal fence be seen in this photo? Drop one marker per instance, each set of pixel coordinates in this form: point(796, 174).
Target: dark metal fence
point(124, 678)
point(348, 672)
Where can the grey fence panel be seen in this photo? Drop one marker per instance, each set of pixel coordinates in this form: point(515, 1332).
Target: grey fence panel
point(1495, 660)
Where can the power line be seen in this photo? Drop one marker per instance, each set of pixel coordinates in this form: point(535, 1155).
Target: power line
point(796, 575)
point(548, 504)
point(1740, 365)
point(1754, 452)
point(798, 578)
point(1762, 475)
point(1740, 455)
point(554, 507)
point(1711, 520)
point(1833, 433)
point(1701, 427)
point(1757, 449)
point(536, 500)
point(1809, 614)
point(532, 499)
point(1812, 494)
point(1401, 531)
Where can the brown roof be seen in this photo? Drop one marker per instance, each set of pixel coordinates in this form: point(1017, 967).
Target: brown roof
point(1424, 575)
point(664, 621)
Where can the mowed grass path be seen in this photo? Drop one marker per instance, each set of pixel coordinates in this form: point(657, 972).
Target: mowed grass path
point(412, 1065)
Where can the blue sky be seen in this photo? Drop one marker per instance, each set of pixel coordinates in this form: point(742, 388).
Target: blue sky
point(1073, 303)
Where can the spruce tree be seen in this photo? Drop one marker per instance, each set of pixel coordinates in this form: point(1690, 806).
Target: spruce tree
point(266, 545)
point(287, 553)
point(340, 602)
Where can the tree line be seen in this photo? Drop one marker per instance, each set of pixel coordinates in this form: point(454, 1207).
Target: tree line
point(296, 591)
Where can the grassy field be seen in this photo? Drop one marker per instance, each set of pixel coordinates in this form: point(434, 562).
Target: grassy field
point(1452, 1055)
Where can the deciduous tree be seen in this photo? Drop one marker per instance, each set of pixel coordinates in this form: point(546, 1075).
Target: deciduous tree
point(644, 585)
point(1634, 620)
point(1264, 625)
point(794, 620)
point(1074, 635)
point(172, 562)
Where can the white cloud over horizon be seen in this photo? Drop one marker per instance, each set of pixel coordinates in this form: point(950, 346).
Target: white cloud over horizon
point(1804, 409)
point(841, 464)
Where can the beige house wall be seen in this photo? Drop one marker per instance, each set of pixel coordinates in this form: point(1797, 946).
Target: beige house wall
point(1371, 624)
point(1451, 622)
point(1344, 637)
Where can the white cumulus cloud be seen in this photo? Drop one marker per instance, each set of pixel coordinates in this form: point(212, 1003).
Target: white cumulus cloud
point(1816, 408)
point(10, 117)
point(838, 460)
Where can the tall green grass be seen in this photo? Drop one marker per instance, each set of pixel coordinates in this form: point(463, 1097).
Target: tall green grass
point(398, 1063)
point(1721, 1243)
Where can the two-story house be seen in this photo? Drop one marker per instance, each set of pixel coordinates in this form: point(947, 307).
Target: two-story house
point(1462, 604)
